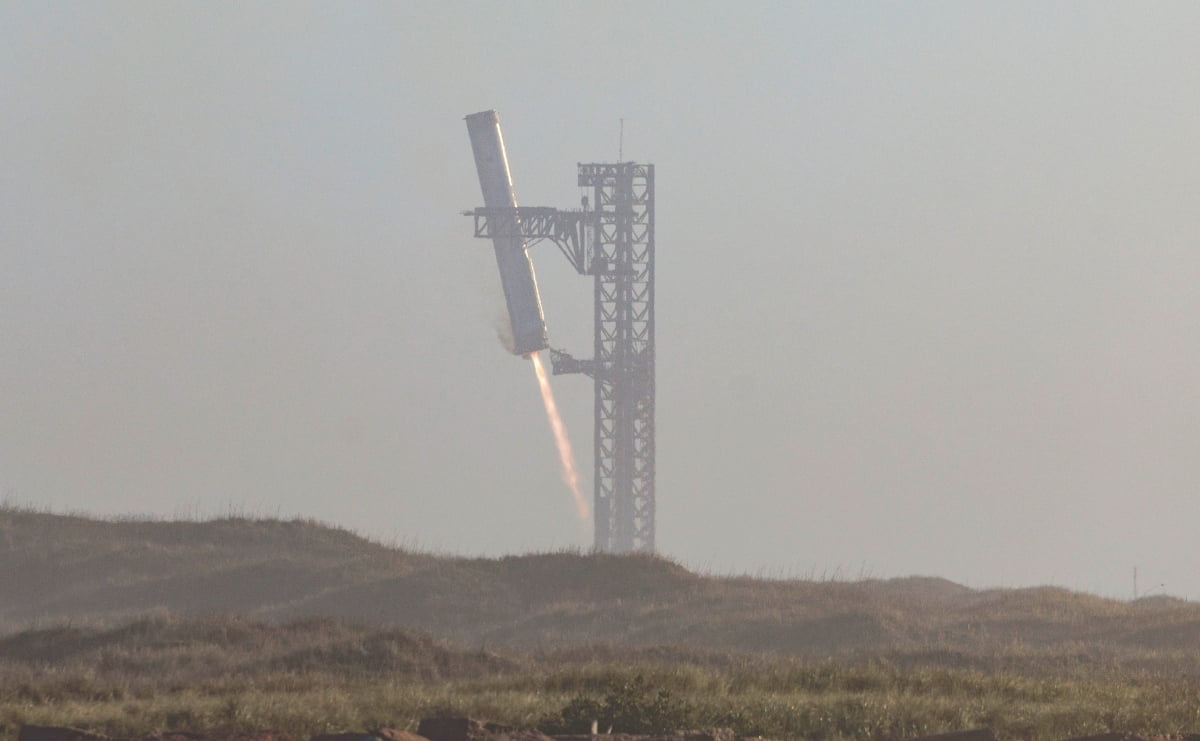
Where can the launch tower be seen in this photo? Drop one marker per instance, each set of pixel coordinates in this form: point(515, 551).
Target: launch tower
point(621, 263)
point(611, 240)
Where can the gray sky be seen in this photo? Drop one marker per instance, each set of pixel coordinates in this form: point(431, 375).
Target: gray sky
point(926, 274)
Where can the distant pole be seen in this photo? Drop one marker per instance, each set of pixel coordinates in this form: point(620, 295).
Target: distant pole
point(621, 143)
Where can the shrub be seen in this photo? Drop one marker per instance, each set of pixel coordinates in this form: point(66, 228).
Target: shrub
point(630, 706)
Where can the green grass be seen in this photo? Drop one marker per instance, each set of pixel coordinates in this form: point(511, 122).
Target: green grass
point(170, 673)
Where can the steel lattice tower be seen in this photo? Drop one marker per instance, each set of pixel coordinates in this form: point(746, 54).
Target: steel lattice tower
point(622, 266)
point(613, 241)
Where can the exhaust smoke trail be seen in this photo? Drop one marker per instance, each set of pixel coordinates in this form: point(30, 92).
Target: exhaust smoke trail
point(570, 474)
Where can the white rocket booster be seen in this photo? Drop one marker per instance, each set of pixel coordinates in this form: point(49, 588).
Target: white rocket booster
point(516, 269)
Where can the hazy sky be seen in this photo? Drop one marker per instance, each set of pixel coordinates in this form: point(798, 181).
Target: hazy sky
point(926, 288)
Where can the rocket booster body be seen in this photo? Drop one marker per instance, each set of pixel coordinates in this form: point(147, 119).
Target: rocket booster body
point(516, 269)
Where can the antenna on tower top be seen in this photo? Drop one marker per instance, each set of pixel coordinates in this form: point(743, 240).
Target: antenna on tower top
point(621, 143)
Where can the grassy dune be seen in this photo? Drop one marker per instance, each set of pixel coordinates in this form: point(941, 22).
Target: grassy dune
point(55, 568)
point(132, 626)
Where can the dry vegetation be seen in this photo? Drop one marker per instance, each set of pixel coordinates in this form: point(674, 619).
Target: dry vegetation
point(334, 632)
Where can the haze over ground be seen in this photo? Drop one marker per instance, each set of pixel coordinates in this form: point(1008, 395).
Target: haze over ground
point(926, 274)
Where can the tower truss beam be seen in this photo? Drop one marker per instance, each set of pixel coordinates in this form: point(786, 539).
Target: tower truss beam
point(567, 229)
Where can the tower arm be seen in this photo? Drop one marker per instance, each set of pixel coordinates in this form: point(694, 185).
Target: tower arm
point(562, 363)
point(567, 229)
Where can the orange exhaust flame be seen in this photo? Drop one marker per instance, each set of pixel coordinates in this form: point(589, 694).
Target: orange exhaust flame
point(570, 474)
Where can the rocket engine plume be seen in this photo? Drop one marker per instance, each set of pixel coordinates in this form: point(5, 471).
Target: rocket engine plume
point(570, 474)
